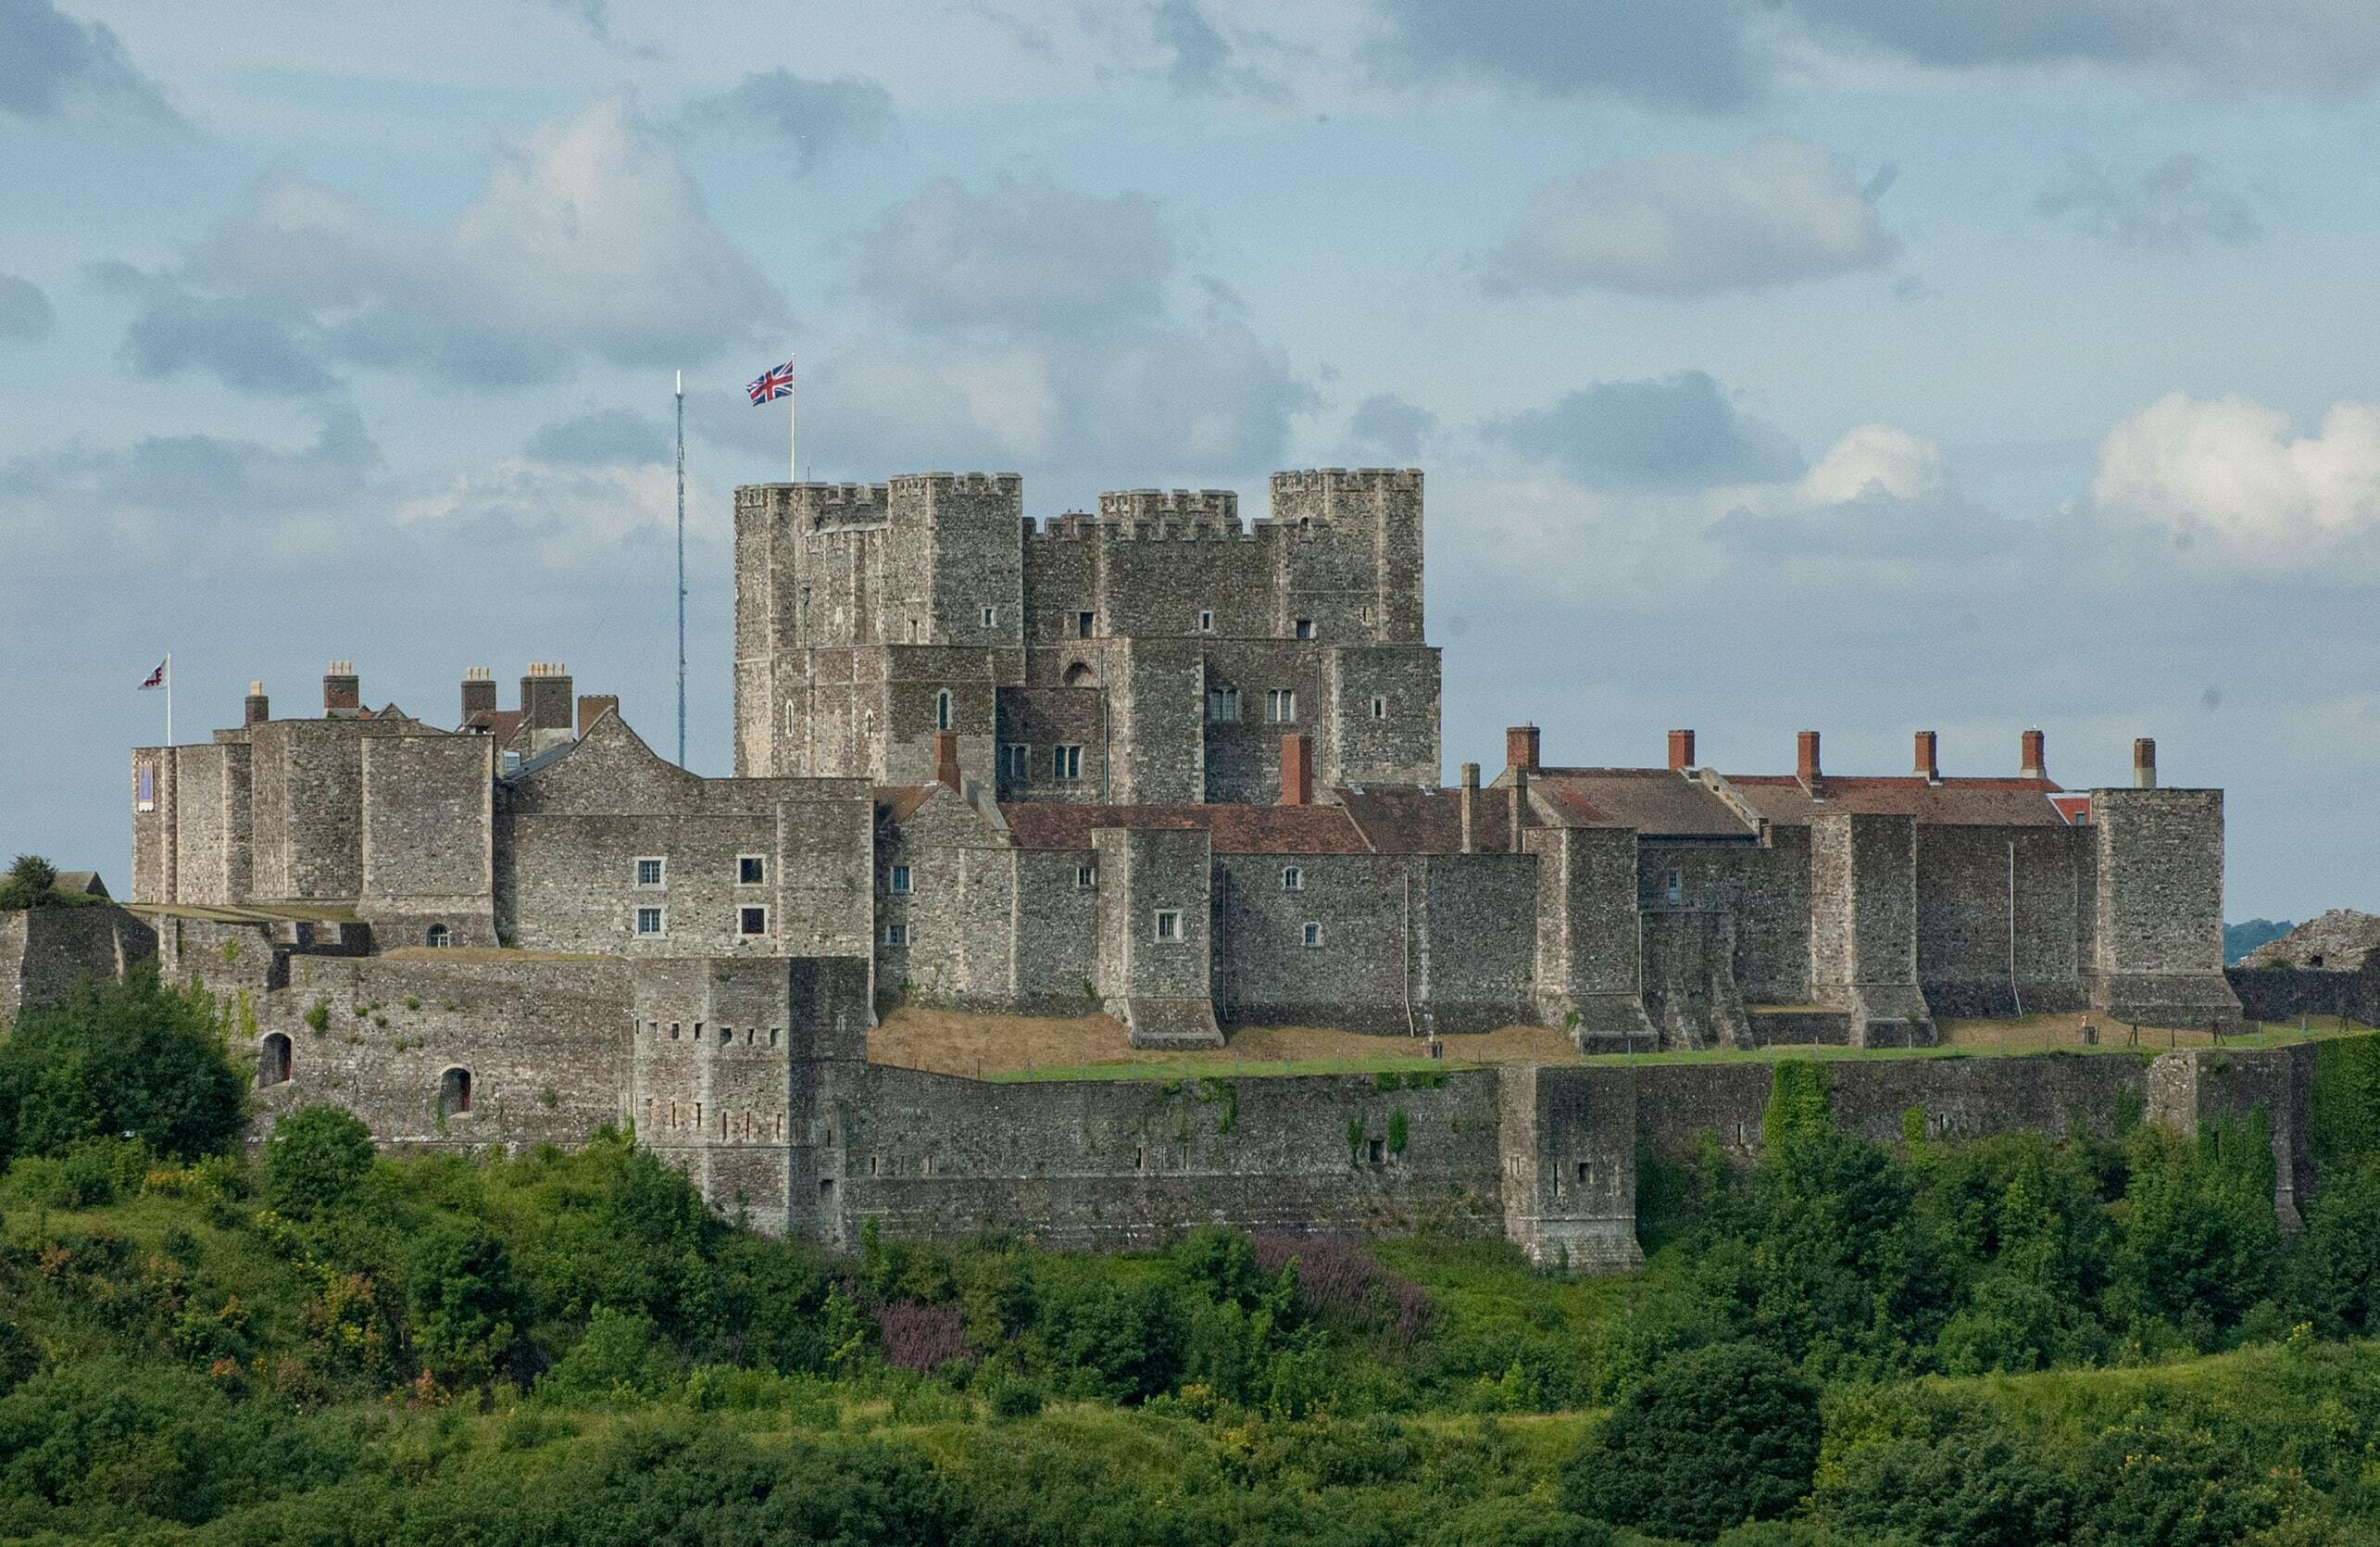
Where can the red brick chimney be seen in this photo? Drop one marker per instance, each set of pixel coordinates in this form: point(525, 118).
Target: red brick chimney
point(1296, 770)
point(1929, 767)
point(2035, 765)
point(258, 708)
point(341, 687)
point(591, 707)
point(2144, 763)
point(1806, 760)
point(1681, 751)
point(946, 758)
point(1520, 747)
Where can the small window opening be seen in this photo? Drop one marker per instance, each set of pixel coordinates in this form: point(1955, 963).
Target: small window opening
point(148, 785)
point(1083, 621)
point(1379, 706)
point(437, 938)
point(752, 920)
point(1305, 628)
point(1086, 877)
point(272, 1063)
point(1313, 936)
point(1673, 885)
point(897, 934)
point(650, 871)
point(1223, 705)
point(991, 616)
point(942, 711)
point(1169, 924)
point(1205, 621)
point(1375, 1150)
point(1066, 763)
point(1140, 1158)
point(751, 869)
point(900, 880)
point(1292, 879)
point(648, 921)
point(1587, 1171)
point(454, 1092)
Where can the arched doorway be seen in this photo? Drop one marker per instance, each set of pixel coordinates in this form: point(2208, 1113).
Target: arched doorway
point(454, 1092)
point(272, 1060)
point(1079, 675)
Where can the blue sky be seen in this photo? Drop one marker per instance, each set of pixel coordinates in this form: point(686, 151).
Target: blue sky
point(1832, 363)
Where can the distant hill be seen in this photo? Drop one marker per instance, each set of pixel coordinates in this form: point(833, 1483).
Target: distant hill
point(2238, 940)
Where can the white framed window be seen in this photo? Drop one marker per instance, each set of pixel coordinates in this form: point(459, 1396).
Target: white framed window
point(438, 937)
point(651, 871)
point(651, 922)
point(1169, 924)
point(897, 934)
point(1086, 877)
point(1305, 628)
point(751, 869)
point(789, 717)
point(752, 920)
point(991, 616)
point(146, 788)
point(942, 710)
point(1292, 879)
point(1206, 619)
point(1223, 705)
point(1066, 763)
point(1313, 936)
point(512, 763)
point(1379, 706)
point(1014, 756)
point(1674, 884)
point(899, 884)
point(1280, 705)
point(1083, 621)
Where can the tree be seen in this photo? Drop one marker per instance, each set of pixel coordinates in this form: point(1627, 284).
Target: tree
point(122, 1058)
point(1714, 1437)
point(31, 882)
point(315, 1160)
point(462, 1302)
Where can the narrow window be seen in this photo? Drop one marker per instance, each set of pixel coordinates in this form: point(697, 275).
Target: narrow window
point(1169, 924)
point(913, 631)
point(942, 711)
point(673, 1030)
point(512, 763)
point(454, 1092)
point(897, 934)
point(1086, 877)
point(751, 869)
point(900, 885)
point(147, 788)
point(1280, 705)
point(1140, 1158)
point(752, 920)
point(1379, 706)
point(1205, 621)
point(773, 1035)
point(648, 921)
point(1014, 756)
point(789, 717)
point(1223, 705)
point(1082, 624)
point(272, 1062)
point(991, 616)
point(1585, 1171)
point(1066, 763)
point(649, 872)
point(1313, 936)
point(1374, 1150)
point(1292, 879)
point(1305, 628)
point(1674, 885)
point(437, 938)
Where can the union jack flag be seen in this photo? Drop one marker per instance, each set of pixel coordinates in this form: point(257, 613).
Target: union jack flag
point(773, 384)
point(157, 678)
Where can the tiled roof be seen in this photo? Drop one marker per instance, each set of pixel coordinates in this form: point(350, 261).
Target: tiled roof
point(1237, 829)
point(901, 801)
point(501, 724)
point(1429, 821)
point(1655, 802)
point(1950, 803)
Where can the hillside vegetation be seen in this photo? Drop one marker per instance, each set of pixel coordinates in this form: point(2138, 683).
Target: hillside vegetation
point(2007, 1341)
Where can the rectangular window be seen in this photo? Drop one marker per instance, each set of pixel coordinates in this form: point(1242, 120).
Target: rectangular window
point(1305, 628)
point(512, 763)
point(1674, 884)
point(1086, 877)
point(649, 872)
point(1083, 621)
point(147, 788)
point(1066, 763)
point(1292, 879)
point(1223, 705)
point(751, 869)
point(1014, 756)
point(897, 934)
point(1379, 707)
point(991, 616)
point(1205, 621)
point(648, 921)
point(752, 920)
point(900, 884)
point(1280, 705)
point(789, 717)
point(1169, 924)
point(1313, 936)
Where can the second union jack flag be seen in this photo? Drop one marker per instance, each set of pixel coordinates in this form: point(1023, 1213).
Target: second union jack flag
point(774, 382)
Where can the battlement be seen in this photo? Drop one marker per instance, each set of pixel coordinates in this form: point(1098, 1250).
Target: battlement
point(1005, 484)
point(1192, 504)
point(1161, 520)
point(1333, 480)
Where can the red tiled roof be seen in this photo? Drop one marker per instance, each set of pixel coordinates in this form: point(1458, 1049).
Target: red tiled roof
point(1950, 803)
point(2075, 809)
point(901, 801)
point(1657, 802)
point(1235, 829)
point(1429, 821)
point(501, 724)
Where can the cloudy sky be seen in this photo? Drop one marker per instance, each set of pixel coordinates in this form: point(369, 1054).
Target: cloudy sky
point(1775, 363)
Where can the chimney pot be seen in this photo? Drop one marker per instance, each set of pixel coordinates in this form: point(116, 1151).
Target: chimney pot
point(479, 692)
point(258, 708)
point(1929, 767)
point(1681, 751)
point(2144, 763)
point(1806, 760)
point(2035, 765)
point(1296, 770)
point(1520, 747)
point(341, 687)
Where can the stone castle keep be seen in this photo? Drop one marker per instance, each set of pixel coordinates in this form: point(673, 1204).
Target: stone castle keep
point(1160, 762)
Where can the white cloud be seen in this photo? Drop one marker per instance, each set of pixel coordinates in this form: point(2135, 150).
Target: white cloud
point(1775, 211)
point(2234, 471)
point(1873, 460)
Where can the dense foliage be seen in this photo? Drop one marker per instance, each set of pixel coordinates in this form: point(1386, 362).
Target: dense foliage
point(2003, 1341)
point(31, 882)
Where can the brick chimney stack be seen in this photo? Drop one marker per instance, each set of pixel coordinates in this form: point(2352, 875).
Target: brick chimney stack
point(1520, 747)
point(479, 692)
point(946, 758)
point(1929, 767)
point(2144, 763)
point(1806, 760)
point(259, 707)
point(2037, 766)
point(591, 707)
point(1296, 770)
point(341, 689)
point(1681, 751)
point(546, 696)
point(1470, 808)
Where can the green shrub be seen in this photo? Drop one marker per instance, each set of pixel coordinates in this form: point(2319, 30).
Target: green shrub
point(315, 1160)
point(1015, 1396)
point(1714, 1437)
point(129, 1059)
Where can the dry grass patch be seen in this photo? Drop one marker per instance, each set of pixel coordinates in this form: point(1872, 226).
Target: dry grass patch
point(952, 1042)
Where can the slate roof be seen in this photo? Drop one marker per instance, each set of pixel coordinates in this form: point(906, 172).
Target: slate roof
point(1235, 829)
point(1428, 822)
point(1950, 803)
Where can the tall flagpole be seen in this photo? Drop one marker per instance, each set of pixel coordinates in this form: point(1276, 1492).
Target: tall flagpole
point(681, 568)
point(169, 697)
point(792, 441)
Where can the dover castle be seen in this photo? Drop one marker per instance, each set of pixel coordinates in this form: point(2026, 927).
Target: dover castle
point(1175, 765)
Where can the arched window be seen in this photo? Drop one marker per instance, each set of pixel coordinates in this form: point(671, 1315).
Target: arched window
point(438, 937)
point(272, 1060)
point(1079, 675)
point(454, 1092)
point(942, 711)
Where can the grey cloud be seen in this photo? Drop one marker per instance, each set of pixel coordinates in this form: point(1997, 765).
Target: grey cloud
point(1027, 254)
point(604, 437)
point(1676, 429)
point(1775, 211)
point(1694, 55)
point(244, 343)
point(24, 311)
point(815, 115)
point(1938, 527)
point(1387, 427)
point(205, 475)
point(2177, 205)
point(1199, 52)
point(54, 67)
